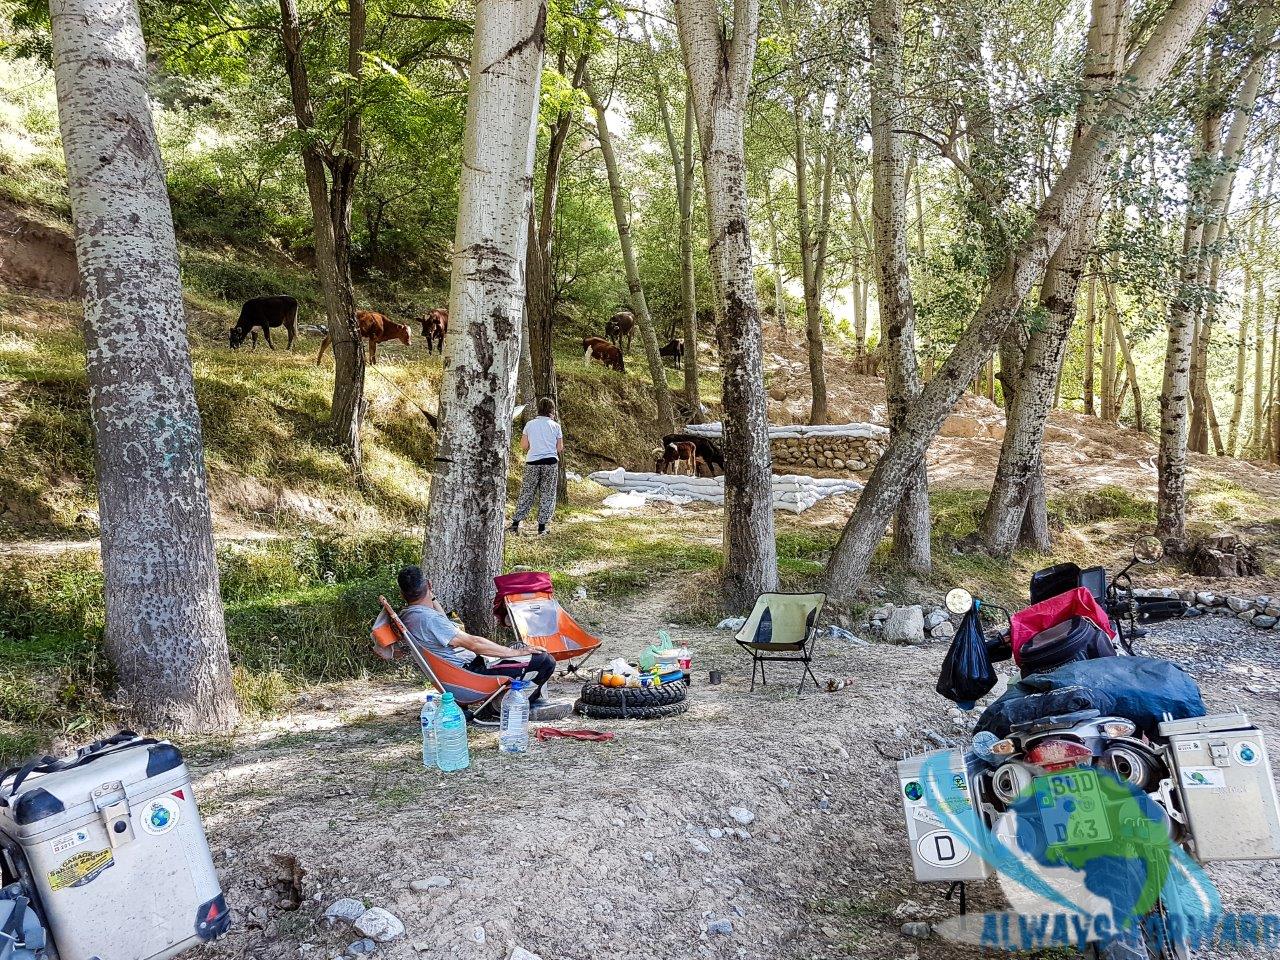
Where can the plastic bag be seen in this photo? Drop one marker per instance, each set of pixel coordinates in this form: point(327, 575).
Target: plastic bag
point(967, 673)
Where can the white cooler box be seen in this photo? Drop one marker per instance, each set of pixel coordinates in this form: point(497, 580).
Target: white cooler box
point(937, 853)
point(1225, 784)
point(110, 845)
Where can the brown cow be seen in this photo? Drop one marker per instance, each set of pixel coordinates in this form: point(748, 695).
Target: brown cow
point(674, 350)
point(434, 326)
point(377, 329)
point(621, 324)
point(673, 454)
point(602, 351)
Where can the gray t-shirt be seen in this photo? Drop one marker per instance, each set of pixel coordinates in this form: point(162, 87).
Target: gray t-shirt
point(435, 632)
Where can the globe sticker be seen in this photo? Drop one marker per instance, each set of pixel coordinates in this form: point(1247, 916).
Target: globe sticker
point(160, 815)
point(913, 791)
point(1247, 753)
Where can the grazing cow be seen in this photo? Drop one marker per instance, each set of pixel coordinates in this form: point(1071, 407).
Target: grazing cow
point(706, 451)
point(265, 312)
point(434, 326)
point(602, 351)
point(621, 324)
point(376, 329)
point(675, 454)
point(674, 350)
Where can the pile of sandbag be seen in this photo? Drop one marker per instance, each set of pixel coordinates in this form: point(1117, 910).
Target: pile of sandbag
point(839, 446)
point(789, 493)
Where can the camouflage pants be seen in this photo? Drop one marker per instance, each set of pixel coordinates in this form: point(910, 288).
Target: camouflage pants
point(538, 483)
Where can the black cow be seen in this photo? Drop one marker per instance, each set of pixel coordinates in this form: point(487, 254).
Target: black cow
point(266, 312)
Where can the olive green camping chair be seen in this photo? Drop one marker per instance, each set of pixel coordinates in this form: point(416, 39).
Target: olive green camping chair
point(782, 627)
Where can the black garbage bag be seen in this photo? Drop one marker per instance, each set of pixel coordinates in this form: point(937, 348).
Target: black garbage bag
point(967, 673)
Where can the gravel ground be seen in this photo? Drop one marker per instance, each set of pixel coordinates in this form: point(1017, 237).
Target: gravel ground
point(589, 850)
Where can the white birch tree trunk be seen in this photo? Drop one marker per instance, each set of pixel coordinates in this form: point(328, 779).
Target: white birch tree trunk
point(464, 535)
point(719, 69)
point(164, 622)
point(911, 529)
point(1023, 267)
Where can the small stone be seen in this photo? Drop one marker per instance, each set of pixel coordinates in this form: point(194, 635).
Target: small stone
point(1206, 599)
point(438, 882)
point(1246, 615)
point(378, 924)
point(348, 910)
point(715, 833)
point(943, 631)
point(1271, 611)
point(935, 617)
point(478, 935)
point(723, 926)
point(917, 928)
point(698, 846)
point(1263, 621)
point(520, 953)
point(361, 947)
point(824, 805)
point(742, 815)
point(1239, 604)
point(907, 910)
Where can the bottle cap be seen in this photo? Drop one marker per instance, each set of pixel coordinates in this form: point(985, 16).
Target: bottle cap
point(517, 684)
point(447, 698)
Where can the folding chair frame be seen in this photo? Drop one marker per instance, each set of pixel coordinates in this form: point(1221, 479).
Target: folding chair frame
point(425, 666)
point(803, 655)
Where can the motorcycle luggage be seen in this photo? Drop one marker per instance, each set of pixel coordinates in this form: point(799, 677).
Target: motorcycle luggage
point(1066, 642)
point(1224, 782)
point(110, 845)
point(928, 783)
point(1062, 577)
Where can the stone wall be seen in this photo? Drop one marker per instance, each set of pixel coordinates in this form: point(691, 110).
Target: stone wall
point(846, 447)
point(1261, 612)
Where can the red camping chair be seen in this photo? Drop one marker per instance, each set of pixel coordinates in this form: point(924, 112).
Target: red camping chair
point(524, 603)
point(472, 690)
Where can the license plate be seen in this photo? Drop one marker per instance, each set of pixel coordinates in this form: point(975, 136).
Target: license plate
point(1072, 808)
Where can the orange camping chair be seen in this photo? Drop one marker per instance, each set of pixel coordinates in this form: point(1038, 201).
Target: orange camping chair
point(472, 690)
point(537, 619)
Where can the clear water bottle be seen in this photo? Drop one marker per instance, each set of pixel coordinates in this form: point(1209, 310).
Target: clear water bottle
point(513, 728)
point(430, 714)
point(451, 736)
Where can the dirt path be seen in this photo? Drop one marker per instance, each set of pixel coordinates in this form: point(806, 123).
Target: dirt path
point(580, 851)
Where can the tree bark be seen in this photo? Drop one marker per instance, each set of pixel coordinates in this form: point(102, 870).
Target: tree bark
point(1242, 366)
point(635, 290)
point(1131, 370)
point(1023, 266)
point(813, 252)
point(330, 176)
point(897, 306)
point(775, 244)
point(465, 519)
point(719, 68)
point(164, 623)
point(1090, 336)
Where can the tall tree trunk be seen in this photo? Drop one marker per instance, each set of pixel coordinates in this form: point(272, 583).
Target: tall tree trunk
point(1109, 411)
point(867, 256)
point(682, 165)
point(1259, 374)
point(1019, 472)
point(463, 548)
point(1024, 265)
point(897, 305)
point(775, 243)
point(331, 215)
point(635, 290)
point(164, 626)
point(1090, 337)
point(719, 67)
point(813, 252)
point(1131, 370)
point(1204, 228)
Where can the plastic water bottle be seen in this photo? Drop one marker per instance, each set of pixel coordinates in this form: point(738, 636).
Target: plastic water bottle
point(430, 714)
point(513, 728)
point(451, 737)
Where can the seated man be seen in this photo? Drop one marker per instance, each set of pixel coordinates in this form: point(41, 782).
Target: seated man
point(426, 621)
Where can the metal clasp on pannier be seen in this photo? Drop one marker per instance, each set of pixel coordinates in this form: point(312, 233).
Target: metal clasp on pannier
point(113, 806)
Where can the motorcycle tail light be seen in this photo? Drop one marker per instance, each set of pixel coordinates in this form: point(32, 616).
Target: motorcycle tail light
point(1119, 728)
point(1054, 755)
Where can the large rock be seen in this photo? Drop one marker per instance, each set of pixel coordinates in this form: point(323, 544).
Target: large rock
point(380, 925)
point(905, 625)
point(1224, 555)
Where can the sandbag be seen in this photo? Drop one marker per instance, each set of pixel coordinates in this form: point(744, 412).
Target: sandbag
point(1141, 689)
point(967, 673)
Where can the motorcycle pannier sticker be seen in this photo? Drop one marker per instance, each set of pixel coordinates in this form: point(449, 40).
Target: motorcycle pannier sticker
point(80, 869)
point(1189, 746)
point(1193, 777)
point(942, 848)
point(69, 841)
point(1246, 753)
point(160, 815)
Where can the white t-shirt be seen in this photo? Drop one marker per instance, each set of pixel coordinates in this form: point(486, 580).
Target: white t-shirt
point(544, 437)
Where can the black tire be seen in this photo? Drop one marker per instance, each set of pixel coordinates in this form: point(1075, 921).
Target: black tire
point(635, 698)
point(617, 711)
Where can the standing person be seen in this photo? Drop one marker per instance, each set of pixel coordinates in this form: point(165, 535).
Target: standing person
point(542, 443)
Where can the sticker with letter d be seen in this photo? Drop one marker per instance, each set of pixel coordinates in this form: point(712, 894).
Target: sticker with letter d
point(942, 848)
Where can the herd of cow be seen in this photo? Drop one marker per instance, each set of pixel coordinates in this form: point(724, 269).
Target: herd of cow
point(270, 313)
point(609, 351)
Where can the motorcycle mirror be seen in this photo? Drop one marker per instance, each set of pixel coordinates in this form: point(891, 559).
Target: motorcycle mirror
point(1148, 549)
point(959, 601)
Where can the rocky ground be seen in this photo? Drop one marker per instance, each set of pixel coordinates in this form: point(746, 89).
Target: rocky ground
point(756, 825)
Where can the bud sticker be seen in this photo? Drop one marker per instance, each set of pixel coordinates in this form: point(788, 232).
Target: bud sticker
point(80, 870)
point(1247, 753)
point(159, 816)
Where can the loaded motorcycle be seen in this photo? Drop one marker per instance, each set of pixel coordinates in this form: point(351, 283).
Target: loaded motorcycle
point(1094, 754)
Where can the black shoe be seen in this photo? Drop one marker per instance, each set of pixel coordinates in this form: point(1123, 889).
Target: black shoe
point(515, 526)
point(542, 529)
